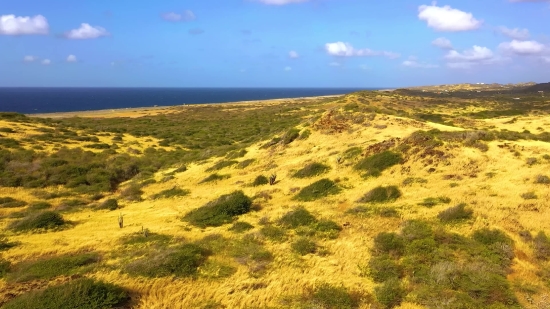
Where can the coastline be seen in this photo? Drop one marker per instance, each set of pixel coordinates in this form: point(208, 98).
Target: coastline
point(155, 110)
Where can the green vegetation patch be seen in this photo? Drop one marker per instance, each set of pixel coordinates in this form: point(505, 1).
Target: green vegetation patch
point(9, 202)
point(303, 246)
point(47, 220)
point(110, 204)
point(48, 268)
point(145, 237)
point(173, 192)
point(241, 227)
point(245, 163)
point(214, 177)
point(220, 211)
point(433, 201)
point(221, 165)
point(381, 194)
point(273, 233)
point(260, 181)
point(290, 136)
point(236, 154)
point(297, 217)
point(77, 294)
point(312, 170)
point(457, 213)
point(317, 190)
point(352, 153)
point(330, 296)
point(376, 164)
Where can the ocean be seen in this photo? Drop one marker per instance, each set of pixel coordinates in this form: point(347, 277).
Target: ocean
point(51, 100)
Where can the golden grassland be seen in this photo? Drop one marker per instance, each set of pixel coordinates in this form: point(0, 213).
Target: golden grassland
point(490, 182)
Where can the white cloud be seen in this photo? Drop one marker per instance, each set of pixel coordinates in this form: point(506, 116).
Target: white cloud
point(522, 47)
point(529, 0)
point(443, 43)
point(341, 49)
point(516, 33)
point(46, 62)
point(293, 54)
point(288, 69)
point(477, 53)
point(187, 15)
point(447, 19)
point(416, 64)
point(19, 25)
point(71, 58)
point(280, 2)
point(29, 58)
point(86, 32)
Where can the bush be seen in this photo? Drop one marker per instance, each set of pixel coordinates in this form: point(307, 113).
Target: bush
point(78, 294)
point(529, 196)
point(290, 136)
point(9, 202)
point(5, 244)
point(273, 233)
point(303, 246)
point(329, 296)
point(220, 211)
point(52, 267)
point(383, 268)
point(182, 261)
point(327, 228)
point(305, 134)
point(132, 193)
point(317, 190)
point(221, 165)
point(541, 246)
point(390, 293)
point(40, 206)
point(241, 227)
point(5, 267)
point(381, 195)
point(260, 181)
point(236, 154)
point(296, 218)
point(168, 193)
point(542, 179)
point(376, 164)
point(389, 243)
point(352, 152)
point(311, 170)
point(46, 220)
point(456, 213)
point(490, 237)
point(433, 201)
point(245, 163)
point(110, 204)
point(214, 177)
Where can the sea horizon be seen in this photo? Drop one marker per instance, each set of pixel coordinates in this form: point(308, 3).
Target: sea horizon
point(39, 100)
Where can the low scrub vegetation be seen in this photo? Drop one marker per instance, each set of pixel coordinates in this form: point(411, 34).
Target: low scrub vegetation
point(381, 195)
point(241, 227)
point(260, 181)
point(433, 201)
point(311, 170)
point(290, 136)
point(173, 192)
point(303, 246)
point(221, 165)
point(47, 220)
point(317, 190)
point(457, 213)
point(9, 202)
point(376, 164)
point(110, 204)
point(214, 177)
point(48, 268)
point(220, 211)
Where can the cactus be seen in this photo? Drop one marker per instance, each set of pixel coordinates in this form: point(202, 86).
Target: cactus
point(272, 179)
point(120, 221)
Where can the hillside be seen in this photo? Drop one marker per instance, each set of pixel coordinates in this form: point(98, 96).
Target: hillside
point(368, 200)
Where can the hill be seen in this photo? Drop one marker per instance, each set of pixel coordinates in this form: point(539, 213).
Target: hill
point(368, 200)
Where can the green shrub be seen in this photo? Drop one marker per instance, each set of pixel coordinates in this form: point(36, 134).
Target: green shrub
point(220, 211)
point(296, 218)
point(542, 179)
point(110, 204)
point(381, 195)
point(389, 243)
point(9, 143)
point(376, 164)
point(173, 192)
point(416, 229)
point(7, 130)
point(77, 294)
point(327, 229)
point(390, 293)
point(241, 227)
point(182, 261)
point(273, 233)
point(303, 246)
point(5, 244)
point(9, 202)
point(5, 267)
point(214, 177)
point(245, 163)
point(236, 154)
point(290, 136)
point(221, 165)
point(39, 206)
point(490, 237)
point(383, 268)
point(46, 220)
point(317, 190)
point(311, 170)
point(541, 246)
point(48, 268)
point(456, 213)
point(260, 181)
point(352, 153)
point(433, 201)
point(411, 180)
point(329, 296)
point(387, 212)
point(305, 134)
point(529, 196)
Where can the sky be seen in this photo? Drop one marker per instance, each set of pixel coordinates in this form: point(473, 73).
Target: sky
point(272, 43)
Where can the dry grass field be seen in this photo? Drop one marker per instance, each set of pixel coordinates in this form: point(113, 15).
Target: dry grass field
point(380, 200)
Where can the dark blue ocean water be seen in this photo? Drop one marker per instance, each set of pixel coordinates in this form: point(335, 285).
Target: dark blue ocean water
point(50, 100)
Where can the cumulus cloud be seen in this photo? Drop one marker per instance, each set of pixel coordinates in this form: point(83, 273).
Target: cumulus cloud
point(293, 54)
point(477, 55)
point(86, 32)
point(29, 58)
point(522, 47)
point(71, 58)
point(187, 15)
point(442, 43)
point(447, 19)
point(19, 25)
point(516, 33)
point(341, 49)
point(412, 63)
point(280, 2)
point(46, 61)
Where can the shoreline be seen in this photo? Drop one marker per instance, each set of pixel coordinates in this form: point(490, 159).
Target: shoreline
point(155, 110)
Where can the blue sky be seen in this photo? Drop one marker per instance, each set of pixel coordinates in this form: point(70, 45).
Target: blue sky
point(272, 43)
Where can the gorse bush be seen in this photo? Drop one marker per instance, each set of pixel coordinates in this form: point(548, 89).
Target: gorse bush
point(376, 164)
point(48, 268)
point(260, 181)
point(381, 195)
point(220, 211)
point(173, 192)
point(78, 294)
point(296, 218)
point(46, 220)
point(311, 170)
point(303, 246)
point(390, 293)
point(383, 268)
point(317, 190)
point(389, 243)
